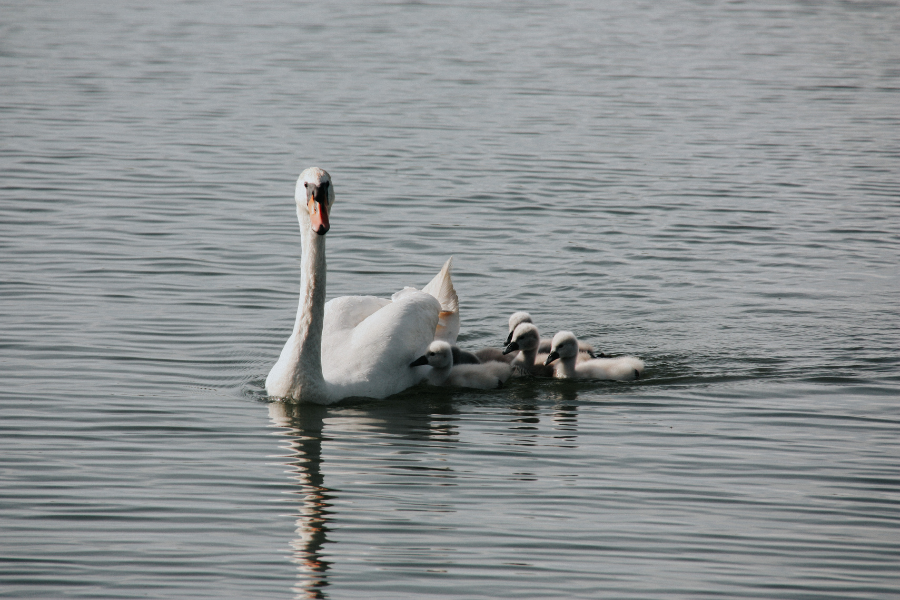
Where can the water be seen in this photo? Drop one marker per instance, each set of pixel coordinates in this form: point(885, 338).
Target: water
point(711, 186)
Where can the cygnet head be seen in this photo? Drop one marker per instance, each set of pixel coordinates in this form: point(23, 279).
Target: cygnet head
point(525, 338)
point(439, 356)
point(314, 196)
point(564, 345)
point(516, 319)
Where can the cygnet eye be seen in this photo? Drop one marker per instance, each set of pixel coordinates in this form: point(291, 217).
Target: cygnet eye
point(306, 184)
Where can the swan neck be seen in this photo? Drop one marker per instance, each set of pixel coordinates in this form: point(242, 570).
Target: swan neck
point(310, 313)
point(567, 366)
point(528, 357)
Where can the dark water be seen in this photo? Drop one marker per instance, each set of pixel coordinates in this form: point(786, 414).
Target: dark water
point(712, 186)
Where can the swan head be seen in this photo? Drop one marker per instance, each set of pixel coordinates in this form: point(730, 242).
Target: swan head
point(314, 196)
point(525, 338)
point(564, 346)
point(516, 319)
point(439, 356)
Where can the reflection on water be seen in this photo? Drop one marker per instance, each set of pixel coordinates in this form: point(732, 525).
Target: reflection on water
point(303, 426)
point(409, 443)
point(414, 494)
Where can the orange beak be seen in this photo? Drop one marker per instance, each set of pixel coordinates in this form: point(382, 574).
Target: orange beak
point(318, 214)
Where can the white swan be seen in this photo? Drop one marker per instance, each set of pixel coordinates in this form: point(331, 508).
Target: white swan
point(354, 345)
point(526, 340)
point(565, 348)
point(517, 318)
point(483, 376)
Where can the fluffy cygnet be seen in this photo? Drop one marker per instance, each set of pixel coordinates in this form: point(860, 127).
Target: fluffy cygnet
point(464, 357)
point(565, 348)
point(526, 340)
point(493, 354)
point(483, 376)
point(517, 318)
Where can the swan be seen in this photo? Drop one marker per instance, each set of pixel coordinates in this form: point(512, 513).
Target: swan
point(464, 357)
point(517, 318)
point(526, 340)
point(565, 348)
point(483, 376)
point(493, 355)
point(354, 345)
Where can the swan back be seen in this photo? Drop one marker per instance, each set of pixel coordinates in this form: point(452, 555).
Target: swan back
point(372, 358)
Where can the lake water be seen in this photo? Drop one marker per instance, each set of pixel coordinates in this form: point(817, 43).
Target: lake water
point(713, 186)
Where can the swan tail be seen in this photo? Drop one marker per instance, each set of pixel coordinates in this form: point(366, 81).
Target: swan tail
point(441, 287)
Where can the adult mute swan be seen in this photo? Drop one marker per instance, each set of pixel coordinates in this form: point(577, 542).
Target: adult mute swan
point(354, 345)
point(565, 348)
point(483, 376)
point(517, 318)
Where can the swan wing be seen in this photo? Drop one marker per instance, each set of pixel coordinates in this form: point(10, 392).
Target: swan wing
point(346, 312)
point(441, 287)
point(342, 316)
point(372, 357)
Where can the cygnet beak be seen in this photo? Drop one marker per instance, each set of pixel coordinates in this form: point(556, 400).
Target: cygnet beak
point(422, 360)
point(511, 347)
point(509, 338)
point(551, 357)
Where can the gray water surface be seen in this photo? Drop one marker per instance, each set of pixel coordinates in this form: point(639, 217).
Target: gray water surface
point(712, 186)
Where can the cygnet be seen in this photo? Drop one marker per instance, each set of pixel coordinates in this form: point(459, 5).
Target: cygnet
point(526, 340)
point(517, 318)
point(483, 376)
point(464, 357)
point(565, 348)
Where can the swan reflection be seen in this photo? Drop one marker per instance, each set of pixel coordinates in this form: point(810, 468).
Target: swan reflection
point(304, 425)
point(413, 439)
point(429, 421)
